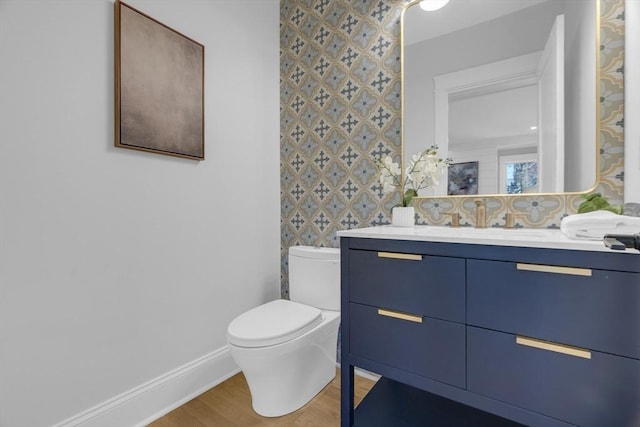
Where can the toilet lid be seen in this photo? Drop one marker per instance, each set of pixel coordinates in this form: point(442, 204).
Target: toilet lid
point(272, 323)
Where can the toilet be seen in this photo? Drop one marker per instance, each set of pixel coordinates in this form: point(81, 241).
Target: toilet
point(287, 348)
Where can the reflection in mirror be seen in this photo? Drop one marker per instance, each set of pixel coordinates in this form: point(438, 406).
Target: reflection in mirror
point(510, 85)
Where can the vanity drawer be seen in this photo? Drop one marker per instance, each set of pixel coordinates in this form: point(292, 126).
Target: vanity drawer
point(428, 285)
point(601, 391)
point(599, 310)
point(428, 347)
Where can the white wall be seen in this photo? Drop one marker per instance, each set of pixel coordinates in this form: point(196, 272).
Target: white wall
point(119, 266)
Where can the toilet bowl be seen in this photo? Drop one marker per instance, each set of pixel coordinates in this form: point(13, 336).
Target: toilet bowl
point(287, 349)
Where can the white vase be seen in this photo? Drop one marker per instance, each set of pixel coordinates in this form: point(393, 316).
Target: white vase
point(403, 217)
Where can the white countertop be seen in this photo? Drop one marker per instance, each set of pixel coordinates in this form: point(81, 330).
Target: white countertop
point(522, 237)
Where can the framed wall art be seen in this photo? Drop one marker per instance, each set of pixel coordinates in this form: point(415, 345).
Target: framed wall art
point(463, 178)
point(159, 87)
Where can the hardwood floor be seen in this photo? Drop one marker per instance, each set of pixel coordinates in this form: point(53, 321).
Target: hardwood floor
point(229, 405)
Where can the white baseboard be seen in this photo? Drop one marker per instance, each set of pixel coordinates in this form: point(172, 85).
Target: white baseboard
point(153, 399)
point(363, 373)
point(366, 374)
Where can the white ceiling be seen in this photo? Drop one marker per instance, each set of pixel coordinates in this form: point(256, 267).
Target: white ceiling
point(457, 14)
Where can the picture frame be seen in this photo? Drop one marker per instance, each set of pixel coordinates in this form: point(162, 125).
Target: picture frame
point(462, 179)
point(159, 87)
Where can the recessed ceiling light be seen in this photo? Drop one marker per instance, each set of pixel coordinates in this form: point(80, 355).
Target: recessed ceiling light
point(533, 127)
point(431, 5)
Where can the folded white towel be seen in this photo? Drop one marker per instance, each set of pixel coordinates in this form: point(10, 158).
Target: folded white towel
point(594, 225)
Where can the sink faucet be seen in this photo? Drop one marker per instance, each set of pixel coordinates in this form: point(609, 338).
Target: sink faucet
point(481, 213)
point(455, 218)
point(510, 219)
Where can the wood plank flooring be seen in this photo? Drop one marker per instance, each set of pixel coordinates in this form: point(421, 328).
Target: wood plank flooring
point(229, 405)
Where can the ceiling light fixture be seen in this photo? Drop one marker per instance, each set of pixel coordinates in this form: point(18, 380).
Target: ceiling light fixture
point(431, 5)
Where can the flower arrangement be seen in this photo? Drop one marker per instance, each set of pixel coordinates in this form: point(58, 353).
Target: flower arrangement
point(423, 171)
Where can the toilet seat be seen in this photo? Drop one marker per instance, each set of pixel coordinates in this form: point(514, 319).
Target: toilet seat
point(273, 323)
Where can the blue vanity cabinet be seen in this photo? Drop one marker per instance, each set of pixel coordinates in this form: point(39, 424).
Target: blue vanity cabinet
point(398, 297)
point(573, 306)
point(583, 387)
point(436, 351)
point(563, 341)
point(433, 286)
point(507, 335)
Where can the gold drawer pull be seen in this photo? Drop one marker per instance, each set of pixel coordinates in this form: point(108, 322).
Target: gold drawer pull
point(558, 348)
point(395, 255)
point(401, 316)
point(554, 269)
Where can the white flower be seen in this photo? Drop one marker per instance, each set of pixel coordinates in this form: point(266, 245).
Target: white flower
point(423, 171)
point(389, 174)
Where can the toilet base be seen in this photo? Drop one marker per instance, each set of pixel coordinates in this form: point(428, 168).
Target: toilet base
point(285, 377)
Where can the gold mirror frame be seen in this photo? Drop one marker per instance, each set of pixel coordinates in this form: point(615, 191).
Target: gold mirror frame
point(464, 204)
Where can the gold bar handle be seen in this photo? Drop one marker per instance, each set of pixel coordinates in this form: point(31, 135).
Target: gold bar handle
point(396, 255)
point(554, 269)
point(558, 348)
point(399, 315)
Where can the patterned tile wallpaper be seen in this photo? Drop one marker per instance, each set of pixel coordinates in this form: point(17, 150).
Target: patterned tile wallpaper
point(340, 113)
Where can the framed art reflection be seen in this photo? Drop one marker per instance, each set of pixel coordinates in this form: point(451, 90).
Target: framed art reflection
point(463, 178)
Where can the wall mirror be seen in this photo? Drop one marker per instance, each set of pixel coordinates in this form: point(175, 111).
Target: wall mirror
point(507, 90)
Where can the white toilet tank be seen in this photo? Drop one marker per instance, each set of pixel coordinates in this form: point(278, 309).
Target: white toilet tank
point(314, 276)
